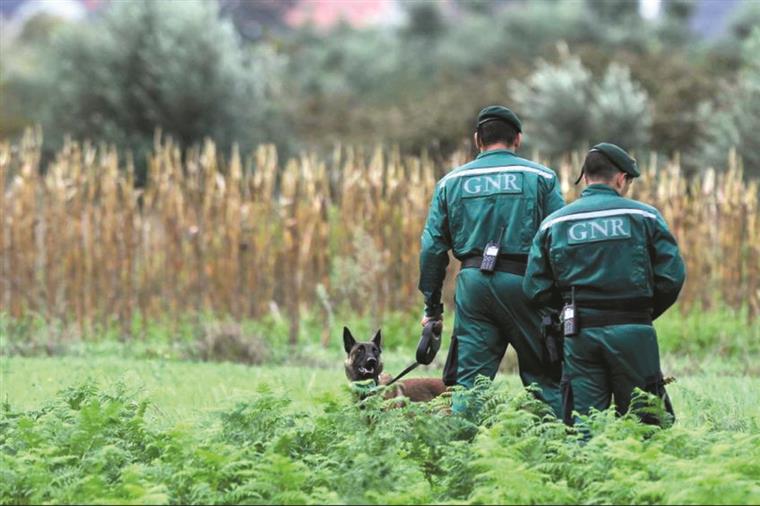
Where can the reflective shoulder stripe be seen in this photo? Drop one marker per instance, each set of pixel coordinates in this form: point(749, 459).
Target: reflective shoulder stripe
point(491, 170)
point(597, 214)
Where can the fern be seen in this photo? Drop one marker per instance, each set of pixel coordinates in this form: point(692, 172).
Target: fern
point(93, 444)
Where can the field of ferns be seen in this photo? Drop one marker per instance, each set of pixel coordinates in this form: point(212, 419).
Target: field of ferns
point(178, 340)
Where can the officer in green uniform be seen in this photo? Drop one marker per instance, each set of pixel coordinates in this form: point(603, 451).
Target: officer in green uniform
point(623, 265)
point(497, 198)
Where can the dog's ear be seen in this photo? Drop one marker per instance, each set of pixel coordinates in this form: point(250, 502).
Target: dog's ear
point(348, 340)
point(377, 338)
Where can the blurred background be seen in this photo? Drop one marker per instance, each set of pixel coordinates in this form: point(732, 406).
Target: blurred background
point(671, 76)
point(239, 176)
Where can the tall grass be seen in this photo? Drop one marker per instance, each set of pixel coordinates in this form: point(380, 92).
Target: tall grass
point(248, 236)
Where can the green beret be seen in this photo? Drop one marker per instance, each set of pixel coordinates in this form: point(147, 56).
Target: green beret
point(618, 157)
point(499, 112)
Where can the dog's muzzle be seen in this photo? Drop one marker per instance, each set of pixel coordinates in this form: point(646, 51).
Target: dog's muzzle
point(369, 366)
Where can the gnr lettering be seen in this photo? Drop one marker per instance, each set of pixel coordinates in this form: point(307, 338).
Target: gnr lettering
point(495, 183)
point(599, 229)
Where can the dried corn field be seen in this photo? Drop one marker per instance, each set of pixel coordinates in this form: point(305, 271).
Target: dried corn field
point(244, 236)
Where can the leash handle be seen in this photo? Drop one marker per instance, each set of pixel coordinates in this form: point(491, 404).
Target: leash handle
point(403, 373)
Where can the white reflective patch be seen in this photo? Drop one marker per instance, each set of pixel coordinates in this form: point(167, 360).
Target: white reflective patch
point(597, 214)
point(491, 170)
point(492, 251)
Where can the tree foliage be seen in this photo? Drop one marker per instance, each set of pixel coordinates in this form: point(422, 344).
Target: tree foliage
point(733, 120)
point(620, 111)
point(169, 65)
point(567, 108)
point(418, 82)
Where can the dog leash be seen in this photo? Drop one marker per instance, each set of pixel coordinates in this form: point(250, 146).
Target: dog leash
point(430, 342)
point(406, 371)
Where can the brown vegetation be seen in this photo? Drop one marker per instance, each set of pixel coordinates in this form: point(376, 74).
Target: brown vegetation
point(245, 237)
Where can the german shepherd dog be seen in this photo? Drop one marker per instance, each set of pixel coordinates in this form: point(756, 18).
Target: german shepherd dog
point(364, 362)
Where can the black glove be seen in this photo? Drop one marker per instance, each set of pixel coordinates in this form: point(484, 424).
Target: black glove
point(430, 342)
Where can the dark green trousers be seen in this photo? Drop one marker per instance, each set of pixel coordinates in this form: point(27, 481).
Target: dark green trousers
point(602, 362)
point(491, 313)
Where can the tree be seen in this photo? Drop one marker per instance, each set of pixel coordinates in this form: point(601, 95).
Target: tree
point(566, 109)
point(680, 10)
point(555, 102)
point(424, 20)
point(171, 65)
point(733, 120)
point(21, 81)
point(620, 111)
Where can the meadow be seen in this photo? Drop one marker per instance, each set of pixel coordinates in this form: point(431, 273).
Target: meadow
point(113, 422)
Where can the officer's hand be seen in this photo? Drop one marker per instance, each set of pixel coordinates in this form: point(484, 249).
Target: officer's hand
point(430, 340)
point(427, 319)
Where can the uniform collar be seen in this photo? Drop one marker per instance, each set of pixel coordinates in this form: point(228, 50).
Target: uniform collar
point(599, 189)
point(495, 152)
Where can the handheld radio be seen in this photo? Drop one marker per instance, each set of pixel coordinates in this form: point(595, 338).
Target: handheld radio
point(491, 254)
point(570, 316)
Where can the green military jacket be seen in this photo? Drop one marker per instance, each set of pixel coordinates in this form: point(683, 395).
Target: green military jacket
point(608, 247)
point(473, 202)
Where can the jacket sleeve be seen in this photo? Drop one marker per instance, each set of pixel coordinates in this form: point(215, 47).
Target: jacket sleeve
point(538, 283)
point(553, 199)
point(668, 268)
point(434, 256)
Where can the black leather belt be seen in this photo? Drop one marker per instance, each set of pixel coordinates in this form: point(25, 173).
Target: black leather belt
point(635, 304)
point(514, 264)
point(605, 318)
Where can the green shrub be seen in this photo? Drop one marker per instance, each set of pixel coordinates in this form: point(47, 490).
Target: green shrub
point(620, 112)
point(555, 102)
point(143, 65)
point(95, 445)
point(721, 331)
point(566, 109)
point(733, 120)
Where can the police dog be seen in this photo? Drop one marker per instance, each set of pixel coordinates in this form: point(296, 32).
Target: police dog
point(364, 362)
